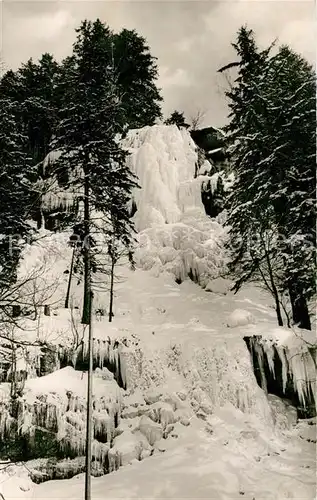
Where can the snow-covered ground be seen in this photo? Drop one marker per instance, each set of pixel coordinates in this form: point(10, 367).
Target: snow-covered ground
point(237, 458)
point(192, 410)
point(231, 447)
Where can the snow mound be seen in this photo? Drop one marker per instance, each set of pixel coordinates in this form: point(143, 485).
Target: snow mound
point(219, 285)
point(175, 235)
point(240, 317)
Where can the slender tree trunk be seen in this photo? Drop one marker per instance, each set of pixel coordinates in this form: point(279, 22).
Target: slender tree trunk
point(111, 290)
point(86, 254)
point(13, 390)
point(16, 311)
point(70, 279)
point(278, 308)
point(299, 308)
point(47, 310)
point(89, 421)
point(274, 290)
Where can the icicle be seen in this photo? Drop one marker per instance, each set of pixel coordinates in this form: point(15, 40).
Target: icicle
point(281, 353)
point(303, 372)
point(25, 425)
point(269, 352)
point(259, 353)
point(100, 451)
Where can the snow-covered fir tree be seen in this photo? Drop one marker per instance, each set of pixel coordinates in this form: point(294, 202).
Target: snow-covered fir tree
point(33, 88)
point(87, 137)
point(271, 132)
point(15, 200)
point(177, 118)
point(137, 72)
point(290, 95)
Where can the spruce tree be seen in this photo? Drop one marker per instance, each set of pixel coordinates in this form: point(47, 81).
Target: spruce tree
point(271, 212)
point(88, 139)
point(14, 192)
point(32, 88)
point(177, 118)
point(137, 73)
point(250, 217)
point(290, 94)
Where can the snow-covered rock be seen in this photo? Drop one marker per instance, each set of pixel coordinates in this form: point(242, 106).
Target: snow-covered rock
point(153, 395)
point(162, 413)
point(125, 449)
point(151, 430)
point(284, 414)
point(240, 317)
point(219, 285)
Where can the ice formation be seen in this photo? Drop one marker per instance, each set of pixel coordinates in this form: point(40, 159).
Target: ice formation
point(56, 197)
point(162, 158)
point(56, 404)
point(175, 235)
point(297, 357)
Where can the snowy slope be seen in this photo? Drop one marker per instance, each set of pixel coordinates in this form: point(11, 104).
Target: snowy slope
point(237, 460)
point(177, 342)
point(231, 444)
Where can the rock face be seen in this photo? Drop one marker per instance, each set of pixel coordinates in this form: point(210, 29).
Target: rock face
point(284, 414)
point(287, 372)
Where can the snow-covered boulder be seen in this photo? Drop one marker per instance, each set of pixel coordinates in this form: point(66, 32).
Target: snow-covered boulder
point(162, 413)
point(130, 412)
point(284, 414)
point(219, 285)
point(240, 317)
point(126, 448)
point(151, 430)
point(153, 395)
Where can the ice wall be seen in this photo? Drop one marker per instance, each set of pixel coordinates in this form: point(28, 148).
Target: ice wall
point(53, 408)
point(286, 368)
point(163, 158)
point(175, 235)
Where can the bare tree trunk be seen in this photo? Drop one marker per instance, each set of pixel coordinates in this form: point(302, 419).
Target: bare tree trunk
point(89, 423)
point(70, 279)
point(47, 310)
point(299, 308)
point(273, 287)
point(16, 311)
point(111, 290)
point(13, 388)
point(86, 253)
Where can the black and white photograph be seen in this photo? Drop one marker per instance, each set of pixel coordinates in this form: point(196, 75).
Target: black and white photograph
point(158, 249)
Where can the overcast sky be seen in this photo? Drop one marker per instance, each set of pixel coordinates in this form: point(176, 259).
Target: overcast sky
point(190, 38)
